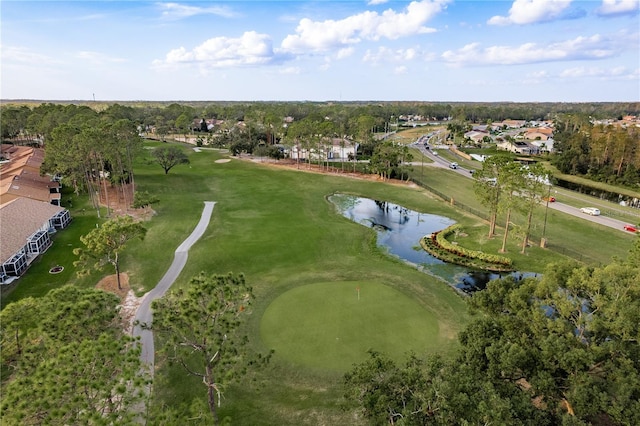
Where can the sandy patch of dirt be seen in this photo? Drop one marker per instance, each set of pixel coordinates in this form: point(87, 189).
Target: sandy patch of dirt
point(119, 201)
point(315, 168)
point(223, 160)
point(129, 301)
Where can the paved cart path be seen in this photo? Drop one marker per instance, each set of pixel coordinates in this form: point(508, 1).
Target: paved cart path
point(144, 314)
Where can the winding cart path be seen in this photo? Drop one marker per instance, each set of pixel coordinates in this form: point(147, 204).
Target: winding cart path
point(144, 314)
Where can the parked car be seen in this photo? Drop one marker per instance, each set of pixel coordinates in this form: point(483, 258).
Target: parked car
point(590, 211)
point(630, 228)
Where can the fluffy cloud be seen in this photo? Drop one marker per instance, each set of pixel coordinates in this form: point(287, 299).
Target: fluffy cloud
point(219, 52)
point(619, 7)
point(532, 11)
point(580, 48)
point(319, 36)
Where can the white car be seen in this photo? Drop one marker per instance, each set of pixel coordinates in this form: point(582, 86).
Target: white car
point(590, 211)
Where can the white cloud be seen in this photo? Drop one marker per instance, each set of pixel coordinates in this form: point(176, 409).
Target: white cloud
point(619, 7)
point(220, 52)
point(531, 12)
point(318, 36)
point(375, 2)
point(580, 48)
point(180, 11)
point(345, 52)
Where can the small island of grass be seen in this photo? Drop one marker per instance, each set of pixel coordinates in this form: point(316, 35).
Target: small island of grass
point(438, 246)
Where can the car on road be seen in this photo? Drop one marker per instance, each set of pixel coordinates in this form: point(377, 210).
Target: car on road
point(453, 165)
point(590, 211)
point(550, 199)
point(630, 228)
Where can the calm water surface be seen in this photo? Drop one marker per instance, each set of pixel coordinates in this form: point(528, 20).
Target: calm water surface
point(399, 232)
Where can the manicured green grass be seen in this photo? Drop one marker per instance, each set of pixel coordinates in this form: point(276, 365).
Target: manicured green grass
point(567, 236)
point(277, 228)
point(333, 325)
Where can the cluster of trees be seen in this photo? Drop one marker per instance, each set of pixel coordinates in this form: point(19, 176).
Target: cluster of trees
point(65, 360)
point(178, 117)
point(600, 152)
point(94, 155)
point(504, 186)
point(562, 349)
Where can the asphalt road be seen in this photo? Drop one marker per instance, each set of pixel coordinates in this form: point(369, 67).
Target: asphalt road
point(565, 208)
point(144, 314)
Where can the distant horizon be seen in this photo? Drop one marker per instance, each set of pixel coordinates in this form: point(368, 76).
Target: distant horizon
point(307, 100)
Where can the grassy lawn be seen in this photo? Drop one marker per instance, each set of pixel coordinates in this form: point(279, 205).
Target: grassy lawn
point(344, 321)
point(276, 226)
point(567, 236)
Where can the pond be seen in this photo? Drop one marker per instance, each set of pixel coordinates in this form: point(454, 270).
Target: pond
point(399, 231)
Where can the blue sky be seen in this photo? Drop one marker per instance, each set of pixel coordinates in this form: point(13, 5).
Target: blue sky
point(430, 50)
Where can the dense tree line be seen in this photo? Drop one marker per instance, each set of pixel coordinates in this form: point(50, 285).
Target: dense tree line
point(106, 135)
point(604, 153)
point(30, 122)
point(562, 349)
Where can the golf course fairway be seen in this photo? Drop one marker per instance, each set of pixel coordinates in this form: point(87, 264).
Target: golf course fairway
point(332, 325)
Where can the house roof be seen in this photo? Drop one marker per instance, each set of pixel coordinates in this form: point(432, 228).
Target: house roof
point(19, 219)
point(20, 176)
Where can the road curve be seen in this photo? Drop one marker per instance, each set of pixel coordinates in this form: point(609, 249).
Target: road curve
point(565, 208)
point(144, 314)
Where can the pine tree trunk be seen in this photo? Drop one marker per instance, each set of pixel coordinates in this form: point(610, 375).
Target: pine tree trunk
point(117, 265)
point(211, 394)
point(506, 232)
point(526, 234)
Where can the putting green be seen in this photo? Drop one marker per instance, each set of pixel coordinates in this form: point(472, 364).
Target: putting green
point(329, 326)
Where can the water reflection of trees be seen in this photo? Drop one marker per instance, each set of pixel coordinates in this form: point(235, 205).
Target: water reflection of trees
point(386, 207)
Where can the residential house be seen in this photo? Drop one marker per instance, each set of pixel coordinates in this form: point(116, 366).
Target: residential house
point(518, 147)
point(334, 149)
point(538, 133)
point(20, 176)
point(544, 145)
point(26, 225)
point(475, 136)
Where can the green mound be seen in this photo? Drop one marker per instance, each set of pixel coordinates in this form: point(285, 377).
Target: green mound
point(327, 326)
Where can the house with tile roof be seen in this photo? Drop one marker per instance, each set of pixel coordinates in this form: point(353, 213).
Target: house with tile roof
point(20, 176)
point(25, 229)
